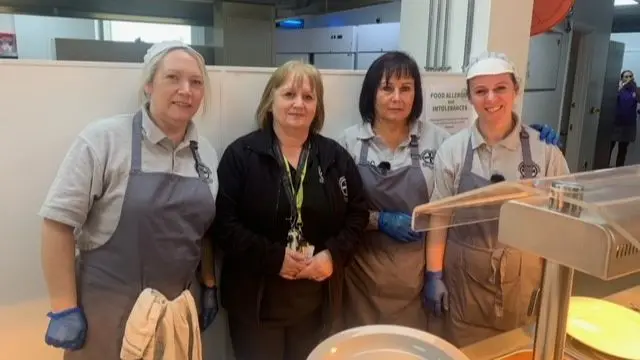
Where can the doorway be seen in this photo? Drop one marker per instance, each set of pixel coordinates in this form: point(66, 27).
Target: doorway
point(567, 100)
point(602, 156)
point(574, 109)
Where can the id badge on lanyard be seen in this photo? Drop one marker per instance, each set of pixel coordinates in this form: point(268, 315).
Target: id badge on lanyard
point(295, 238)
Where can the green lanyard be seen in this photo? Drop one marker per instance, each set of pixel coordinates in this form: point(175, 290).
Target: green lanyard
point(299, 195)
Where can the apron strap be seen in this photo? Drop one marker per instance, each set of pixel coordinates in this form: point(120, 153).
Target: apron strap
point(364, 152)
point(136, 142)
point(527, 159)
point(204, 172)
point(468, 158)
point(415, 151)
point(413, 148)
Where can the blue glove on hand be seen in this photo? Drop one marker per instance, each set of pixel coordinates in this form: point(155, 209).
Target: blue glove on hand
point(398, 226)
point(435, 294)
point(547, 134)
point(209, 303)
point(67, 329)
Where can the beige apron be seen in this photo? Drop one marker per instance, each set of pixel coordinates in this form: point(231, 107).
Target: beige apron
point(490, 285)
point(383, 283)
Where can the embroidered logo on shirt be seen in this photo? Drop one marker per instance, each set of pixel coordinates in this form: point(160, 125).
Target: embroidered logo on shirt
point(428, 158)
point(342, 183)
point(528, 170)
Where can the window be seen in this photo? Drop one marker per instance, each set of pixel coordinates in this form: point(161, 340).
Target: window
point(147, 32)
point(625, 2)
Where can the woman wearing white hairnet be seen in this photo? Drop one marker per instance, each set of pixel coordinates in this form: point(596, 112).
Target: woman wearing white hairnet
point(135, 194)
point(489, 286)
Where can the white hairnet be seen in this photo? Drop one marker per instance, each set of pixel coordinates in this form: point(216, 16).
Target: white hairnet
point(161, 47)
point(490, 63)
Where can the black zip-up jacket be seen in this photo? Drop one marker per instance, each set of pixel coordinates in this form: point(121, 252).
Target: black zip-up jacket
point(251, 224)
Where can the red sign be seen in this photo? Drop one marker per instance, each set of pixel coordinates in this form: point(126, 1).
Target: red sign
point(8, 46)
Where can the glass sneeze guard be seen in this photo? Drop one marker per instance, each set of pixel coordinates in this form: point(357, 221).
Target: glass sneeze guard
point(587, 221)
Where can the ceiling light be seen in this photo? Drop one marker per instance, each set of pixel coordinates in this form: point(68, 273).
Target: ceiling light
point(624, 2)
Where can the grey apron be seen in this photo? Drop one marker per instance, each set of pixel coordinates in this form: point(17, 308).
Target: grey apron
point(383, 283)
point(490, 285)
point(155, 245)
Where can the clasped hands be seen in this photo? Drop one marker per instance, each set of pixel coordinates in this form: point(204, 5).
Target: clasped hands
point(296, 266)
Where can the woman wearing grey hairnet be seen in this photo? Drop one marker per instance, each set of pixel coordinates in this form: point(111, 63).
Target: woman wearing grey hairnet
point(135, 194)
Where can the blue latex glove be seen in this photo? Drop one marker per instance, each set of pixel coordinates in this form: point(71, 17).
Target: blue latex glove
point(209, 304)
point(67, 329)
point(398, 226)
point(435, 294)
point(547, 134)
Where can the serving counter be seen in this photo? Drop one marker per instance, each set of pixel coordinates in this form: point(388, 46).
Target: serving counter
point(503, 345)
point(586, 222)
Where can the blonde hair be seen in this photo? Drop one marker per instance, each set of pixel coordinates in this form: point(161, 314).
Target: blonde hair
point(299, 71)
point(152, 64)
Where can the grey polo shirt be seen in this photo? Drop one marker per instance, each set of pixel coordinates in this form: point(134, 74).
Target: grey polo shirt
point(430, 136)
point(504, 157)
point(88, 190)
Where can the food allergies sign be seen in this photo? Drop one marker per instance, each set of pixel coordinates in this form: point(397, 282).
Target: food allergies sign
point(448, 107)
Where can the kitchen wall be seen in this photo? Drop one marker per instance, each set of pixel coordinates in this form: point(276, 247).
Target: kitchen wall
point(543, 106)
point(631, 51)
point(247, 33)
point(6, 23)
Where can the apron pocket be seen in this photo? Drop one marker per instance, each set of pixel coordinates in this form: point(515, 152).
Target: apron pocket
point(468, 298)
point(500, 266)
point(492, 284)
point(391, 269)
point(474, 283)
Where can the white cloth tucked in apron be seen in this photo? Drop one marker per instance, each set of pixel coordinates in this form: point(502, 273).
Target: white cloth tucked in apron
point(159, 329)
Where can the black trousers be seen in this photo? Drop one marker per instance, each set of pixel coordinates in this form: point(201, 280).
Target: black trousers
point(622, 152)
point(253, 341)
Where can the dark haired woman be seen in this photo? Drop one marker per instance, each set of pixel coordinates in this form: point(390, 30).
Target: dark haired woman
point(625, 123)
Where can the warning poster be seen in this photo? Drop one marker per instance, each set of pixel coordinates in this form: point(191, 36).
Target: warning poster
point(448, 107)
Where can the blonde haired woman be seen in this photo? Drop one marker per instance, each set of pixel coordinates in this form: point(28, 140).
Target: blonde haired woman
point(138, 191)
point(290, 211)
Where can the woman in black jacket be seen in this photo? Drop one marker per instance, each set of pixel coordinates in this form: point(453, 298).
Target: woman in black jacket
point(285, 245)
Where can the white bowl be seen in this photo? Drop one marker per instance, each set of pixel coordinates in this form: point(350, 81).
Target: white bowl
point(385, 342)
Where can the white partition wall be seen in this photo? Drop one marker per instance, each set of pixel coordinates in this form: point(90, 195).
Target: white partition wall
point(43, 106)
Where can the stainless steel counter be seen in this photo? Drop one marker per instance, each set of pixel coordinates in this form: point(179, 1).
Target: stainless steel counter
point(512, 341)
